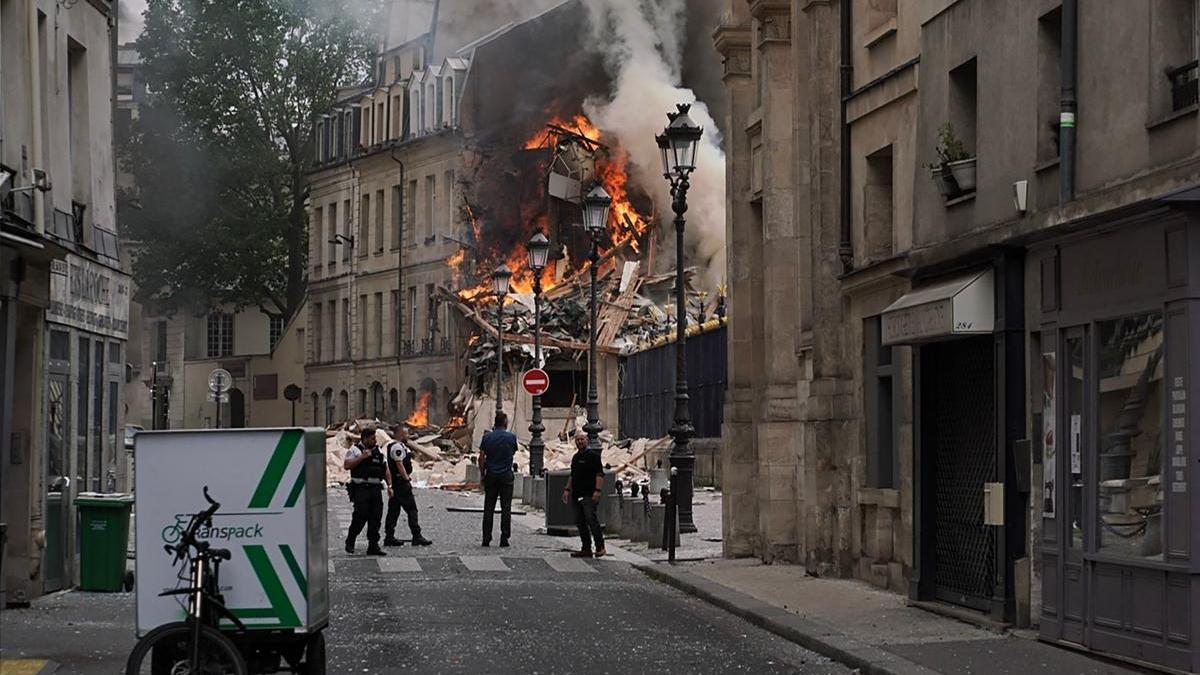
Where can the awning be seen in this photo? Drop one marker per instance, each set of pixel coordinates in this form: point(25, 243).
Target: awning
point(962, 306)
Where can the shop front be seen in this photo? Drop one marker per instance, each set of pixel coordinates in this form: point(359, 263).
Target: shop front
point(1119, 365)
point(87, 324)
point(967, 331)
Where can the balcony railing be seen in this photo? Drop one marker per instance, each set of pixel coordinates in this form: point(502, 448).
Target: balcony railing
point(1185, 85)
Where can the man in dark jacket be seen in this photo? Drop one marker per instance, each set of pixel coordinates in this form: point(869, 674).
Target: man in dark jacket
point(399, 456)
point(496, 451)
point(368, 476)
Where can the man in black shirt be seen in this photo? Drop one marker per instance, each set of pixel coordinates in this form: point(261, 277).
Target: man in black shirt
point(584, 490)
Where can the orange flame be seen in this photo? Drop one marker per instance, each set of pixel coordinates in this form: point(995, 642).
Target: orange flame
point(420, 415)
point(625, 224)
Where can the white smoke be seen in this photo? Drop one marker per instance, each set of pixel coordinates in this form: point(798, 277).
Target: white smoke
point(643, 45)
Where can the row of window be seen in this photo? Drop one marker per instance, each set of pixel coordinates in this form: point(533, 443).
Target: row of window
point(219, 335)
point(330, 345)
point(333, 225)
point(328, 408)
point(426, 102)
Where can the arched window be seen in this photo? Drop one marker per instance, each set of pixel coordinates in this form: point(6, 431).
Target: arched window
point(329, 409)
point(393, 405)
point(411, 399)
point(343, 409)
point(416, 114)
point(316, 410)
point(442, 109)
point(431, 106)
point(361, 410)
point(377, 401)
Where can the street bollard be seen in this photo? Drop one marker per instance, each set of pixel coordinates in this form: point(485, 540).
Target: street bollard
point(672, 519)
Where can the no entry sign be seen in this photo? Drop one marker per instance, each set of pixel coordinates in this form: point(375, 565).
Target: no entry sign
point(535, 381)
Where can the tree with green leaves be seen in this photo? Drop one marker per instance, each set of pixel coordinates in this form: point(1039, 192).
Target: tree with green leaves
point(220, 154)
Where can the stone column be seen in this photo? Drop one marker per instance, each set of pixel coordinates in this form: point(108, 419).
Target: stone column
point(739, 462)
point(829, 426)
point(779, 432)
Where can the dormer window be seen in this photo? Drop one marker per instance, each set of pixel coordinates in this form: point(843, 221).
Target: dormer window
point(449, 102)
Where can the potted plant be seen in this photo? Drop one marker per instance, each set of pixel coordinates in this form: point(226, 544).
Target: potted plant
point(954, 158)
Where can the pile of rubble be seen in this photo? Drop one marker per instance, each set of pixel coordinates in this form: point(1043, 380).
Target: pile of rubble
point(442, 454)
point(635, 312)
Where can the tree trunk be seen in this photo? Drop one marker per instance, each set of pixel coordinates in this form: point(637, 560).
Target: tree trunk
point(297, 240)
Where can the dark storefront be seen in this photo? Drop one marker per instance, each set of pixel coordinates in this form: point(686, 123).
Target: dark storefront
point(967, 331)
point(1116, 364)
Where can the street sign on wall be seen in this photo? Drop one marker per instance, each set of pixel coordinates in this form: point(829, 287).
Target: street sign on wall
point(535, 381)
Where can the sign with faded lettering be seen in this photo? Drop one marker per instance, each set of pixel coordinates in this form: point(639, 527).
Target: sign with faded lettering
point(89, 296)
point(960, 306)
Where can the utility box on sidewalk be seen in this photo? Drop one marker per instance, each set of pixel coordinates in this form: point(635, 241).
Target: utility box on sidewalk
point(103, 538)
point(560, 517)
point(271, 487)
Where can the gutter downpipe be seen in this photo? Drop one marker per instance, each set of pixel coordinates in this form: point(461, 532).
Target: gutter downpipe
point(36, 161)
point(1066, 118)
point(845, 245)
point(399, 262)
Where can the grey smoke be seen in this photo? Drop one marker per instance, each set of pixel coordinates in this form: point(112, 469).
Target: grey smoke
point(130, 20)
point(643, 45)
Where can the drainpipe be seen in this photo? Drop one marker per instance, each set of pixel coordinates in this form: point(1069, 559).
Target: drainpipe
point(845, 247)
point(1066, 119)
point(399, 264)
point(35, 110)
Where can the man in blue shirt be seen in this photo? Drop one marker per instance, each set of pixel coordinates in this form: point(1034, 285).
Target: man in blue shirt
point(496, 451)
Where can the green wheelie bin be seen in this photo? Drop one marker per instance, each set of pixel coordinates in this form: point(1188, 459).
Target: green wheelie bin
point(103, 539)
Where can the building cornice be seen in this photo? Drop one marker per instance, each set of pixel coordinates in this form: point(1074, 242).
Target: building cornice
point(774, 18)
point(732, 41)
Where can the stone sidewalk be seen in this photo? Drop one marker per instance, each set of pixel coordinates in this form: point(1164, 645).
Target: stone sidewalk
point(866, 628)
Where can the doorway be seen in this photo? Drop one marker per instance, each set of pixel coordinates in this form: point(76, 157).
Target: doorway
point(57, 480)
point(237, 409)
point(958, 428)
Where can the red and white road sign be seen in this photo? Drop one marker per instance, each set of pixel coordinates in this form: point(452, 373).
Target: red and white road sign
point(536, 381)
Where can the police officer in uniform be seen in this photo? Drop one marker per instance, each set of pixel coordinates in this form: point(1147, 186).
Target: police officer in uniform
point(400, 464)
point(368, 475)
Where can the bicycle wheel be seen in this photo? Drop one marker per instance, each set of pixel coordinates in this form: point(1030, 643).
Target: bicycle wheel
point(166, 649)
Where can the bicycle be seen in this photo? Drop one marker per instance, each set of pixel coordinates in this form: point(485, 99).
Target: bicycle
point(194, 646)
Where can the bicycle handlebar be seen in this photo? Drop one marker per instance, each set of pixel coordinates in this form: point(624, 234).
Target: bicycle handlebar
point(188, 538)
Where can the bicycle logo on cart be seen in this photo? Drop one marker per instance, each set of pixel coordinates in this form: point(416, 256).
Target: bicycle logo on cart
point(171, 533)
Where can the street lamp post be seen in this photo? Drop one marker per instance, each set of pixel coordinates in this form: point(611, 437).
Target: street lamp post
point(678, 145)
point(596, 206)
point(539, 250)
point(500, 279)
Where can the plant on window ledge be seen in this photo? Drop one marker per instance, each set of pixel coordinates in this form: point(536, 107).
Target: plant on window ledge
point(954, 172)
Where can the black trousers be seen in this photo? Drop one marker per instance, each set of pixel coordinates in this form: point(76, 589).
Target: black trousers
point(368, 512)
point(402, 498)
point(587, 520)
point(494, 487)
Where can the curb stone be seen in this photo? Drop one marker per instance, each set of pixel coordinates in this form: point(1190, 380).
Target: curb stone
point(808, 634)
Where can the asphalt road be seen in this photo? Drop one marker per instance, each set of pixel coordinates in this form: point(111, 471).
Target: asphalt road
point(456, 607)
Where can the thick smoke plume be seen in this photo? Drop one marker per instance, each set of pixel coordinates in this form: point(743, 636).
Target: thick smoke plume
point(643, 46)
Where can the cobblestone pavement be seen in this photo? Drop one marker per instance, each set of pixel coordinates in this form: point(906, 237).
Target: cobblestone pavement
point(458, 607)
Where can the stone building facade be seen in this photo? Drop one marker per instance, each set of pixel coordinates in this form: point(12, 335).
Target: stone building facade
point(384, 218)
point(964, 376)
point(64, 300)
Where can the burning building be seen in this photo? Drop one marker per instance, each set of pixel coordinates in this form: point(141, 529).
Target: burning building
point(441, 168)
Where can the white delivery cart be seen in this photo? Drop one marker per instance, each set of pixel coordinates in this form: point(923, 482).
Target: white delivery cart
point(271, 487)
